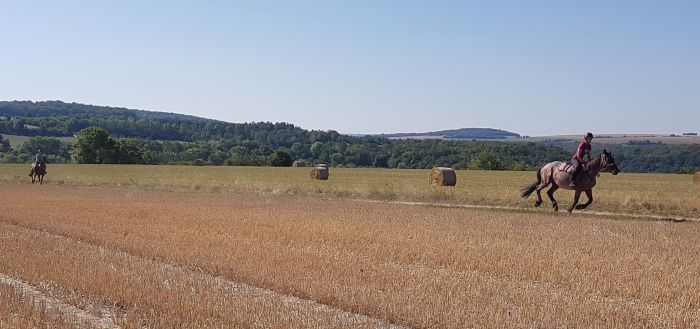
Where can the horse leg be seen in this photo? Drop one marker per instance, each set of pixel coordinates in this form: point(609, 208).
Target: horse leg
point(550, 194)
point(539, 189)
point(577, 195)
point(589, 195)
point(41, 180)
point(33, 178)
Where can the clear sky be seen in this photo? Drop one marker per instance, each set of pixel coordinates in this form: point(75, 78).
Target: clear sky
point(531, 67)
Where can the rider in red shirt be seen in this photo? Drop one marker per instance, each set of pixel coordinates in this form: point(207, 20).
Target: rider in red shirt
point(584, 148)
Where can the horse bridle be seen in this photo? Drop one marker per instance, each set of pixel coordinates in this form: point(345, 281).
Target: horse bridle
point(604, 163)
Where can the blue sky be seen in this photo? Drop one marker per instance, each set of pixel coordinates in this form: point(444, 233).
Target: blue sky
point(532, 67)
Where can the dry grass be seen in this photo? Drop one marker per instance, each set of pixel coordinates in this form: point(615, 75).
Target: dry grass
point(134, 292)
point(415, 266)
point(19, 310)
point(645, 194)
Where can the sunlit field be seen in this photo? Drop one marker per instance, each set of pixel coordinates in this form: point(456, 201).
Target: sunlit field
point(137, 258)
point(641, 194)
point(182, 246)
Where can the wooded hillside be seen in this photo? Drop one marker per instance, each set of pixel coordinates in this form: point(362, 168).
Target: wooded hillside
point(136, 136)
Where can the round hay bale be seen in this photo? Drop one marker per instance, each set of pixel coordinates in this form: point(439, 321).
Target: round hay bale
point(199, 162)
point(298, 164)
point(441, 176)
point(696, 178)
point(320, 173)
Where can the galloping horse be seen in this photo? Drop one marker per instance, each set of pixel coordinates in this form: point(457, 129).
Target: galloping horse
point(555, 173)
point(38, 172)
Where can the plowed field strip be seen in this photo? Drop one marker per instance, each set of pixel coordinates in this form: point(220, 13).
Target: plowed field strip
point(20, 311)
point(547, 293)
point(176, 296)
point(55, 304)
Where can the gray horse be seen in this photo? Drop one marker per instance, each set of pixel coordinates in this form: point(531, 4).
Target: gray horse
point(556, 173)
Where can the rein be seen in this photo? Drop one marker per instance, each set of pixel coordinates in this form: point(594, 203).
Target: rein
point(595, 167)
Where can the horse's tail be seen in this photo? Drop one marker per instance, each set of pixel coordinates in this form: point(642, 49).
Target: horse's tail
point(527, 190)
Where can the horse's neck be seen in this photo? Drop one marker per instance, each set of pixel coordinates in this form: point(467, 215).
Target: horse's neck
point(595, 167)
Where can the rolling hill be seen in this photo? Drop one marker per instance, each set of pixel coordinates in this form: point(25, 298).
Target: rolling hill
point(161, 138)
point(457, 134)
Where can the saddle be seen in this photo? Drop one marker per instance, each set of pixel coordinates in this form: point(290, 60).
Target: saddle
point(567, 167)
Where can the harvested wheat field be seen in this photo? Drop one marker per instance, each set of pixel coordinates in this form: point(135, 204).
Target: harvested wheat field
point(125, 257)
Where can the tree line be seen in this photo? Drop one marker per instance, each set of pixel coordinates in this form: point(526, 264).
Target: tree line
point(120, 135)
point(281, 147)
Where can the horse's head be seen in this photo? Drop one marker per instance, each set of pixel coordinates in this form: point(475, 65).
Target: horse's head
point(608, 163)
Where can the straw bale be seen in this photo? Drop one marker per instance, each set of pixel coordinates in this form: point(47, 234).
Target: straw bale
point(319, 173)
point(441, 176)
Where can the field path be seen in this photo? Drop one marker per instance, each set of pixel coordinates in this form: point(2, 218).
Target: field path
point(587, 213)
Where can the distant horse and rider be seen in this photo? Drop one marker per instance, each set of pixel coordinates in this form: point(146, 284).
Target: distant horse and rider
point(38, 169)
point(578, 175)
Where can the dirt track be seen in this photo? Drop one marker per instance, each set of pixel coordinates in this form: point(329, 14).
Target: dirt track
point(412, 265)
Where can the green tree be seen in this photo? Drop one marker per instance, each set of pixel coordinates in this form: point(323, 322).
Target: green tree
point(127, 151)
point(518, 166)
point(4, 145)
point(217, 157)
point(94, 146)
point(281, 159)
point(49, 146)
point(316, 149)
point(486, 160)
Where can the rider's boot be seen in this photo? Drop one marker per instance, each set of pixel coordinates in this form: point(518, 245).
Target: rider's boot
point(572, 183)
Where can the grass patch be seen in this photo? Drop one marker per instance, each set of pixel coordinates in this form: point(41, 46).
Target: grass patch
point(650, 194)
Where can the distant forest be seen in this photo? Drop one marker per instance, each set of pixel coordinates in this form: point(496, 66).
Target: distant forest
point(119, 135)
point(463, 133)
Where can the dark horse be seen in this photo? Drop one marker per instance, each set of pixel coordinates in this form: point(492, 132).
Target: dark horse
point(555, 173)
point(37, 173)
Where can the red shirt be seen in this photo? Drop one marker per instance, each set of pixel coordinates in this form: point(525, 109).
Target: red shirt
point(584, 146)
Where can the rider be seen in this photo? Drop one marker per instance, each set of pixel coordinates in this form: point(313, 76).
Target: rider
point(584, 148)
point(39, 158)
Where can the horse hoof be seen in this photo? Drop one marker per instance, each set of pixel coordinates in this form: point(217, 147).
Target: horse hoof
point(556, 208)
point(538, 204)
